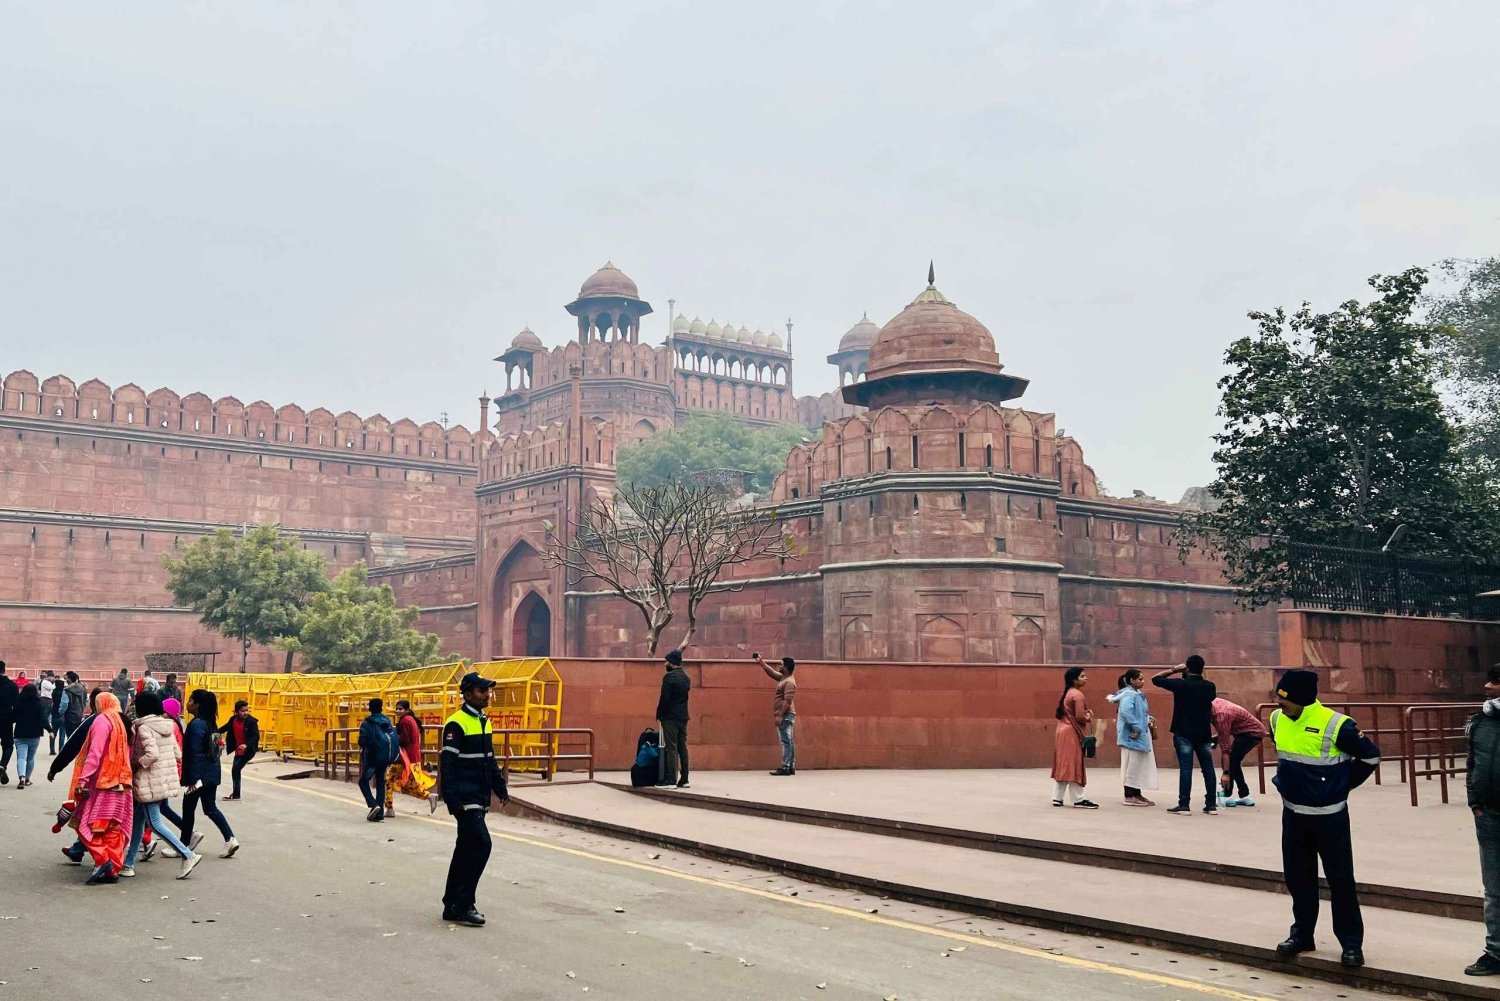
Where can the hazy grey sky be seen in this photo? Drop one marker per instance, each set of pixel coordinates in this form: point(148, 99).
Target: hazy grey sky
point(358, 206)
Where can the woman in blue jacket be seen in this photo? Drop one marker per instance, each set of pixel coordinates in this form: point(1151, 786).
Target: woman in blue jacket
point(201, 773)
point(1133, 734)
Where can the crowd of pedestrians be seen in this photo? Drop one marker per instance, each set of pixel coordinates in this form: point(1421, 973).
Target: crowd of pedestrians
point(127, 756)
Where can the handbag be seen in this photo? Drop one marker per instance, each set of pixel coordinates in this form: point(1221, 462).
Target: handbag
point(1090, 745)
point(1151, 726)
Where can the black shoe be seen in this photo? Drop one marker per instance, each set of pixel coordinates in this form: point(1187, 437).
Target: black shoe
point(1085, 804)
point(1185, 811)
point(1352, 958)
point(1211, 811)
point(102, 874)
point(1292, 947)
point(1485, 966)
point(373, 815)
point(464, 916)
point(4, 777)
point(782, 771)
point(683, 784)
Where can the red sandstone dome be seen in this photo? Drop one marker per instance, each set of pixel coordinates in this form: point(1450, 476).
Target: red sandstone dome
point(861, 335)
point(526, 340)
point(932, 351)
point(609, 281)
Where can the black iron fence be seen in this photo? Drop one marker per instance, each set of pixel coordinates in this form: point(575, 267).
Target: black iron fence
point(1367, 580)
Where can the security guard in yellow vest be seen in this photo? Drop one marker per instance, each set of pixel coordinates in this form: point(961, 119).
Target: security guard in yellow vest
point(1320, 756)
point(468, 776)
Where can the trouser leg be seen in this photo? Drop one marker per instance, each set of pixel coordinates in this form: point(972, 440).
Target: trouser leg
point(234, 773)
point(788, 742)
point(1299, 867)
point(1238, 751)
point(671, 735)
point(1205, 755)
point(159, 825)
point(189, 814)
point(1184, 750)
point(682, 753)
point(1487, 830)
point(212, 812)
point(471, 852)
point(1336, 849)
point(137, 832)
point(366, 776)
point(7, 742)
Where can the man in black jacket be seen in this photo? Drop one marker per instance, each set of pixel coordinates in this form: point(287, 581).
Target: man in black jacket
point(8, 695)
point(469, 776)
point(672, 712)
point(1483, 735)
point(1192, 730)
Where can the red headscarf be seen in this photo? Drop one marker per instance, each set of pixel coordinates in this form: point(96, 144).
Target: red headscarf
point(108, 726)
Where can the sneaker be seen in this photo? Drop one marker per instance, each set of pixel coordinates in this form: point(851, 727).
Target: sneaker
point(1133, 801)
point(373, 815)
point(1485, 966)
point(169, 853)
point(1246, 801)
point(1181, 811)
point(231, 796)
point(4, 776)
point(1229, 802)
point(1085, 804)
point(71, 858)
point(127, 872)
point(782, 771)
point(1210, 811)
point(188, 865)
point(149, 852)
point(193, 844)
point(230, 847)
point(683, 784)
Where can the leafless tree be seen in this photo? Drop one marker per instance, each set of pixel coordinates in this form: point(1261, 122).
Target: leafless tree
point(649, 544)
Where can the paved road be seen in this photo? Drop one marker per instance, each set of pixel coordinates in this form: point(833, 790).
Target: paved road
point(321, 905)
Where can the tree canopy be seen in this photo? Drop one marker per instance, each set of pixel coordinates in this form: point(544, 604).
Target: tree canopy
point(1335, 435)
point(709, 441)
point(1467, 315)
point(353, 628)
point(251, 588)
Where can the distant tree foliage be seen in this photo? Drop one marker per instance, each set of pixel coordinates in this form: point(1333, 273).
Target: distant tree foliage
point(1468, 344)
point(353, 628)
point(1335, 435)
point(252, 588)
point(709, 441)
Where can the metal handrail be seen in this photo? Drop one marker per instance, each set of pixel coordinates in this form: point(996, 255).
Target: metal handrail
point(1447, 739)
point(339, 753)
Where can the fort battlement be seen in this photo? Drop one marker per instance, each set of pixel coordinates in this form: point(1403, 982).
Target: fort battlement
point(163, 411)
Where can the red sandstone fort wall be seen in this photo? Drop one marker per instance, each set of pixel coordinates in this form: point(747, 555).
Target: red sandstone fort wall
point(100, 484)
point(1392, 657)
point(872, 715)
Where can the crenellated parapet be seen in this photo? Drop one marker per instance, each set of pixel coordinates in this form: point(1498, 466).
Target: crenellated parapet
point(550, 446)
point(937, 438)
point(163, 411)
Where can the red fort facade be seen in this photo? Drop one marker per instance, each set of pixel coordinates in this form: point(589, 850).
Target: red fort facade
point(943, 522)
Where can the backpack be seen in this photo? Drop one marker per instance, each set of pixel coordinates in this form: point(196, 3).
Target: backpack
point(387, 749)
point(647, 768)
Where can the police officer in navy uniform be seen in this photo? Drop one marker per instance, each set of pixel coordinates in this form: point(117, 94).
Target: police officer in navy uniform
point(468, 776)
point(1320, 756)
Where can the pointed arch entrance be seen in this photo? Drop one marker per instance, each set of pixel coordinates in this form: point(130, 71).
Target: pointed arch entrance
point(521, 615)
point(531, 630)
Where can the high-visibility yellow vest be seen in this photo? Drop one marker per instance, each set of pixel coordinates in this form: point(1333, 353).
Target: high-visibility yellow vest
point(1312, 774)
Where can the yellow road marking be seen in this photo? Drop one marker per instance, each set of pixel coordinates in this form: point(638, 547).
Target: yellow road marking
point(845, 912)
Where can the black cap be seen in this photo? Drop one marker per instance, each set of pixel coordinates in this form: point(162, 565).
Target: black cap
point(1299, 687)
point(674, 657)
point(475, 680)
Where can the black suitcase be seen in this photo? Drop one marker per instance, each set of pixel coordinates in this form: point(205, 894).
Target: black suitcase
point(646, 771)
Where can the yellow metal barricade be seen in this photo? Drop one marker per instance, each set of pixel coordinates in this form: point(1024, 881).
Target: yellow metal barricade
point(296, 710)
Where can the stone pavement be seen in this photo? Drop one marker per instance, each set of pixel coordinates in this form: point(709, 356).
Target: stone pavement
point(1428, 848)
point(321, 905)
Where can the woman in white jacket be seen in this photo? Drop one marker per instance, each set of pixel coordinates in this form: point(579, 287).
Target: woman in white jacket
point(157, 757)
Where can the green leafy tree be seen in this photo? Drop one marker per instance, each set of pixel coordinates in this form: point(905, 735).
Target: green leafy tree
point(251, 588)
point(353, 628)
point(1335, 435)
point(709, 441)
point(1467, 315)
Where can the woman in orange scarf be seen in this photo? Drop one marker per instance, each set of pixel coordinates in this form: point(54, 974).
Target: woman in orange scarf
point(102, 787)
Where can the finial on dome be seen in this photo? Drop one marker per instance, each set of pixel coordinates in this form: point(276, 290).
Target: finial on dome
point(931, 275)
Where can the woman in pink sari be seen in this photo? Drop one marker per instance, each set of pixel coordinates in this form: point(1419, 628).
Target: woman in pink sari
point(102, 786)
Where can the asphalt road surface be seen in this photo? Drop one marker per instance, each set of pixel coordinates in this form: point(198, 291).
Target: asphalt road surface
point(321, 905)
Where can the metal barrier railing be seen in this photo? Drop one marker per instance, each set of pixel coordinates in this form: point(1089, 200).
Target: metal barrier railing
point(541, 750)
point(1436, 730)
point(1368, 715)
